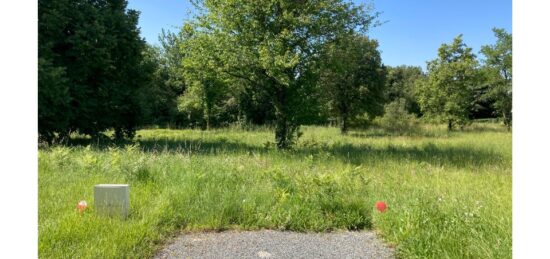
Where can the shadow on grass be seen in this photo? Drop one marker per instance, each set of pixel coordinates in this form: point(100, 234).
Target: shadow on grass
point(428, 153)
point(421, 133)
point(381, 134)
point(482, 128)
point(355, 154)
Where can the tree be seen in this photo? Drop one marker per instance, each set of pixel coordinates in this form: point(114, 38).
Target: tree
point(206, 87)
point(158, 95)
point(353, 78)
point(447, 93)
point(171, 60)
point(204, 93)
point(275, 44)
point(90, 56)
point(400, 84)
point(498, 65)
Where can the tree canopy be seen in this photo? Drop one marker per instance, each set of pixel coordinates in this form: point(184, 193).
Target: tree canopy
point(90, 69)
point(498, 65)
point(447, 92)
point(353, 78)
point(276, 44)
point(284, 63)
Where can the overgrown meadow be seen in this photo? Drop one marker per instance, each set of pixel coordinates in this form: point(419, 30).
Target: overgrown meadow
point(448, 194)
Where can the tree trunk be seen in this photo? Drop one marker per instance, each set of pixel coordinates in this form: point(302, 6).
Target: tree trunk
point(281, 132)
point(64, 136)
point(283, 129)
point(285, 126)
point(344, 124)
point(507, 121)
point(450, 125)
point(207, 117)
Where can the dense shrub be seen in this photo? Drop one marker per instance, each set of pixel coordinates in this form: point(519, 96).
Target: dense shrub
point(396, 119)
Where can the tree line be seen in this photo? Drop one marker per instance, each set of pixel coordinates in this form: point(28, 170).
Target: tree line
point(269, 62)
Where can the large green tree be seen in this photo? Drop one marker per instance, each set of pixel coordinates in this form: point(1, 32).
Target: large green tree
point(498, 67)
point(353, 78)
point(275, 44)
point(90, 56)
point(447, 93)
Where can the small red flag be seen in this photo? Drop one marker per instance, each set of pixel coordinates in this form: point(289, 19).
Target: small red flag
point(381, 206)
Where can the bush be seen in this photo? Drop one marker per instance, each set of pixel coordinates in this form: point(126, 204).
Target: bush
point(396, 119)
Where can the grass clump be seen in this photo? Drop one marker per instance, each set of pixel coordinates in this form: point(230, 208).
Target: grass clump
point(449, 194)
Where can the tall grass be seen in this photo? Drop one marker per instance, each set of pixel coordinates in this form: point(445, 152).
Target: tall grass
point(449, 194)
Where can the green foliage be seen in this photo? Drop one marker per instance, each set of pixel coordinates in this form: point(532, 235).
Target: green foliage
point(400, 84)
point(208, 92)
point(190, 105)
point(352, 78)
point(90, 54)
point(160, 93)
point(255, 104)
point(157, 98)
point(207, 104)
point(447, 93)
point(498, 67)
point(274, 44)
point(53, 100)
point(397, 119)
point(171, 60)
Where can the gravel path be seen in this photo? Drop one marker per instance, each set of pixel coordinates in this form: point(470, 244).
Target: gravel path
point(277, 244)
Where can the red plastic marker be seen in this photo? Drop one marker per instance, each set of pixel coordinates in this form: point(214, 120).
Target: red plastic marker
point(381, 206)
point(81, 206)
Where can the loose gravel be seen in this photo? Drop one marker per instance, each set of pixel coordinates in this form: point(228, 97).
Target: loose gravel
point(277, 244)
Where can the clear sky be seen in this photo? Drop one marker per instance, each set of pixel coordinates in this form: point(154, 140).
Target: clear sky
point(413, 31)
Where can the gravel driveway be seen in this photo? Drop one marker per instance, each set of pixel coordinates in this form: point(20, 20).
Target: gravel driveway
point(277, 244)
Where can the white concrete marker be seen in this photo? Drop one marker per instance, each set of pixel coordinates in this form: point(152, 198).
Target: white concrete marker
point(112, 199)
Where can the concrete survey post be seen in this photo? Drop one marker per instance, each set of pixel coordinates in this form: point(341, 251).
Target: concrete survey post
point(112, 199)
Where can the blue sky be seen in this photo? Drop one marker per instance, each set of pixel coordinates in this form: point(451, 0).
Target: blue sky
point(413, 31)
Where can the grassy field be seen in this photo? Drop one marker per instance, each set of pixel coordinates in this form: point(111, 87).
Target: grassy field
point(449, 195)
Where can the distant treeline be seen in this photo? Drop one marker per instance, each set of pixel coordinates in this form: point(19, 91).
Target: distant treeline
point(281, 63)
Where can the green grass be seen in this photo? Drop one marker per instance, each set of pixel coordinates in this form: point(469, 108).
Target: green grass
point(449, 194)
